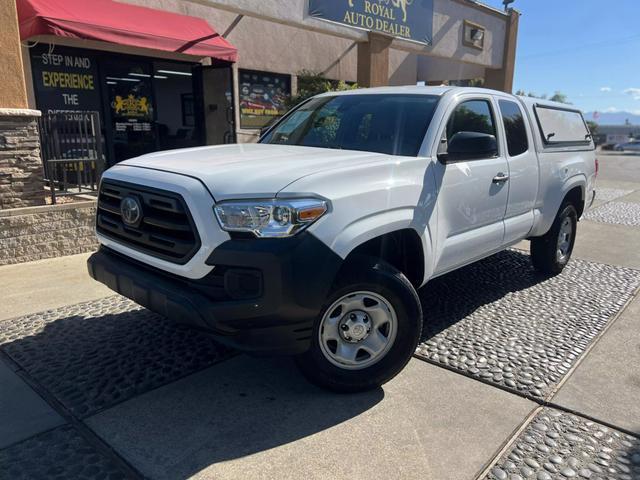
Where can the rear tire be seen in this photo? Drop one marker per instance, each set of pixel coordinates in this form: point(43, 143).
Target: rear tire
point(367, 330)
point(551, 252)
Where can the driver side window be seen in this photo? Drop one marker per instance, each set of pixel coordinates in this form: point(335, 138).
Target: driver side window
point(471, 116)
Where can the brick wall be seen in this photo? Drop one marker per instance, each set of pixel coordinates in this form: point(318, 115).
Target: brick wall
point(20, 164)
point(33, 233)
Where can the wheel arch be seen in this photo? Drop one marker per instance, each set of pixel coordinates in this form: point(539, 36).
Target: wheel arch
point(574, 189)
point(576, 196)
point(402, 248)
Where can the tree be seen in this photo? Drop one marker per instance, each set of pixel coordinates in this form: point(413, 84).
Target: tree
point(593, 127)
point(522, 93)
point(560, 97)
point(557, 96)
point(312, 83)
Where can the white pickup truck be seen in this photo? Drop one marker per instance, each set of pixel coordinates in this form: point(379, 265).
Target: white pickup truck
point(314, 241)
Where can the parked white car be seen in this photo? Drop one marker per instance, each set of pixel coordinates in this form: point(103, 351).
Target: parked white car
point(314, 241)
point(632, 146)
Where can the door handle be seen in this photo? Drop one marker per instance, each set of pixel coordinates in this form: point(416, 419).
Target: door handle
point(500, 177)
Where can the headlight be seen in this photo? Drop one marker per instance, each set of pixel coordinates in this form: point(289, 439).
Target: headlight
point(270, 218)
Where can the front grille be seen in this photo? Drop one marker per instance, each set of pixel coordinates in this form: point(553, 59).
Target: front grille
point(166, 230)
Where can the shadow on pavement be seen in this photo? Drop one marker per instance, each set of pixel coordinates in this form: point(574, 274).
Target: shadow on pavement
point(93, 355)
point(448, 299)
point(241, 407)
point(161, 394)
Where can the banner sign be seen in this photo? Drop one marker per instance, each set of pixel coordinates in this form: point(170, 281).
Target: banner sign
point(406, 19)
point(65, 79)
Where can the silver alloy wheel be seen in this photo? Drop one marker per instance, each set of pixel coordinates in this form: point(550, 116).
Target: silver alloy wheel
point(357, 330)
point(564, 240)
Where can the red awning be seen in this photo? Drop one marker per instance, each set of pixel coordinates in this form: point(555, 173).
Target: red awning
point(123, 24)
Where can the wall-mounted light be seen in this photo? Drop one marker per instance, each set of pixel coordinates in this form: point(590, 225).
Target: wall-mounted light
point(477, 35)
point(473, 35)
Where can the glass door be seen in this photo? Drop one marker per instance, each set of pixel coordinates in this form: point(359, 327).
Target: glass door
point(216, 91)
point(177, 120)
point(130, 108)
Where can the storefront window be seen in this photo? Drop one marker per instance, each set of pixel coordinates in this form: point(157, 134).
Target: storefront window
point(175, 112)
point(129, 96)
point(65, 79)
point(262, 97)
point(145, 104)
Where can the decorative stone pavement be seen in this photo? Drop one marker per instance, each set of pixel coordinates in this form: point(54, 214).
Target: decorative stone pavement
point(559, 445)
point(620, 213)
point(95, 354)
point(57, 454)
point(495, 320)
point(499, 321)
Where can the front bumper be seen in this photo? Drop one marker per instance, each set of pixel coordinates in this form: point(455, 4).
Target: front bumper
point(291, 280)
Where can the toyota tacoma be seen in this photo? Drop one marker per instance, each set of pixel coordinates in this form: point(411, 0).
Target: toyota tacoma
point(314, 241)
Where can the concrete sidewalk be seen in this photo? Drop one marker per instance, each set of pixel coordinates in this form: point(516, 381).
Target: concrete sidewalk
point(251, 418)
point(606, 385)
point(126, 394)
point(44, 284)
point(23, 413)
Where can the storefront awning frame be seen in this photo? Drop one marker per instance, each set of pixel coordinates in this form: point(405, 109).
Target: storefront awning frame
point(123, 24)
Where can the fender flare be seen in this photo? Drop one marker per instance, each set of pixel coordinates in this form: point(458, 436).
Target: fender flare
point(546, 214)
point(367, 228)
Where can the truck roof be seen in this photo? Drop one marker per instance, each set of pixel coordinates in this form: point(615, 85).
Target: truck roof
point(412, 89)
point(416, 89)
point(441, 90)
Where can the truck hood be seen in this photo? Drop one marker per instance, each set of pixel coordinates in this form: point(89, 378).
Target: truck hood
point(251, 170)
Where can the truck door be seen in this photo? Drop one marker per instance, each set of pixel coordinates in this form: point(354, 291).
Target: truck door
point(472, 194)
point(523, 171)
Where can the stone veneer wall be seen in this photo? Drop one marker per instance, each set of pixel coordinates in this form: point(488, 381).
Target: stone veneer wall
point(33, 233)
point(21, 182)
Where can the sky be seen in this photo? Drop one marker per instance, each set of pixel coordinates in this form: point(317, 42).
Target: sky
point(587, 49)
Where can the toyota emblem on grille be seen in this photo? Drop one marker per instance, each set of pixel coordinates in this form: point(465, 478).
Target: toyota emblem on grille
point(131, 210)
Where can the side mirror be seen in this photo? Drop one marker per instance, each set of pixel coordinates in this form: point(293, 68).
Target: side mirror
point(470, 146)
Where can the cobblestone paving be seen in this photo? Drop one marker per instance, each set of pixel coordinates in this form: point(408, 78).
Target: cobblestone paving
point(95, 354)
point(558, 445)
point(57, 454)
point(499, 321)
point(608, 194)
point(621, 213)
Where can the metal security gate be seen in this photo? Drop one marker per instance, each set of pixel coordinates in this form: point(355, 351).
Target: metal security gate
point(72, 153)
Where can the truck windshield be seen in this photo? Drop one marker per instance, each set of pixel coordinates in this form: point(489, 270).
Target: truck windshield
point(394, 124)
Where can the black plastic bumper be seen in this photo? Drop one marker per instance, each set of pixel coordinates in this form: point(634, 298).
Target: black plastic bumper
point(295, 276)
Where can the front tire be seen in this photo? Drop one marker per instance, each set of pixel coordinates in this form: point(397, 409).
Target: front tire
point(551, 252)
point(367, 330)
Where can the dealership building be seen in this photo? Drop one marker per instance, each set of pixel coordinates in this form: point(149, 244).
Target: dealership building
point(176, 73)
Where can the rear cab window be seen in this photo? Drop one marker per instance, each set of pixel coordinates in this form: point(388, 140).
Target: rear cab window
point(562, 127)
point(514, 127)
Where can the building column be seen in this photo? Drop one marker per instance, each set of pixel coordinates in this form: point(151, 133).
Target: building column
point(373, 61)
point(13, 93)
point(502, 79)
point(20, 164)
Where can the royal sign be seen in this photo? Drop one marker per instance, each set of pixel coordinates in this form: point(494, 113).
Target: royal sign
point(407, 19)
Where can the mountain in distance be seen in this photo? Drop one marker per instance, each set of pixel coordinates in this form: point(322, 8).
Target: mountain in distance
point(613, 118)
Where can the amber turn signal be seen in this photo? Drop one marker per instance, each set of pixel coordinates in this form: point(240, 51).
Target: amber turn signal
point(312, 213)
